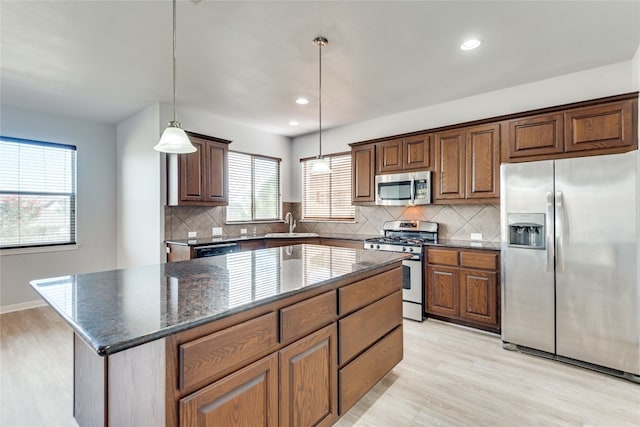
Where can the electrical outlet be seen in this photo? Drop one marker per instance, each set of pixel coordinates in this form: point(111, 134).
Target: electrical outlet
point(192, 234)
point(476, 236)
point(216, 231)
point(243, 231)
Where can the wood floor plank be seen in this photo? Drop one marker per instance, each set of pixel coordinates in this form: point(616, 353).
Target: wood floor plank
point(450, 377)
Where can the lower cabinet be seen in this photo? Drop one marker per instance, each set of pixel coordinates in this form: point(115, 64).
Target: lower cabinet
point(248, 397)
point(308, 380)
point(305, 362)
point(462, 285)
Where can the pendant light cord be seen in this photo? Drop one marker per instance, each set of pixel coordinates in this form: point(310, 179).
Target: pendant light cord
point(320, 98)
point(320, 41)
point(174, 61)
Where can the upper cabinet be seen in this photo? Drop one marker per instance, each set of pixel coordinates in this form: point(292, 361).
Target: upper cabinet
point(411, 153)
point(536, 135)
point(363, 164)
point(468, 164)
point(601, 126)
point(597, 127)
point(199, 178)
point(465, 158)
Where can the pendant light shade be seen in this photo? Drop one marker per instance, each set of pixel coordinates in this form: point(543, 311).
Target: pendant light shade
point(174, 139)
point(320, 164)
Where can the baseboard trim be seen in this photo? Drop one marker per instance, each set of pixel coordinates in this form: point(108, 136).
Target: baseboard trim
point(21, 306)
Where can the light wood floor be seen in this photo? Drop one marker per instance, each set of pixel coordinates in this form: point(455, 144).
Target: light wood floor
point(450, 376)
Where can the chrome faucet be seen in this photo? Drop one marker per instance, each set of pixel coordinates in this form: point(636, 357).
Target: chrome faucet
point(288, 219)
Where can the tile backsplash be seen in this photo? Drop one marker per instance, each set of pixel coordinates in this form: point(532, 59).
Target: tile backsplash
point(455, 221)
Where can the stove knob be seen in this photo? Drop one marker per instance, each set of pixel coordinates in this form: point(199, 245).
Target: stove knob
point(410, 249)
point(404, 249)
point(371, 246)
point(377, 246)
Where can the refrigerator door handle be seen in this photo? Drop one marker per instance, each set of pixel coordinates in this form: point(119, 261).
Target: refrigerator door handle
point(549, 233)
point(559, 232)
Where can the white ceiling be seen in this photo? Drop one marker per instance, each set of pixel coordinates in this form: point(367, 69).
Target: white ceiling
point(247, 61)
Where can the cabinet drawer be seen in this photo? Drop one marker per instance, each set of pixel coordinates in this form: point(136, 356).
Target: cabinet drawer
point(442, 256)
point(487, 261)
point(359, 376)
point(366, 291)
point(212, 356)
point(364, 327)
point(307, 316)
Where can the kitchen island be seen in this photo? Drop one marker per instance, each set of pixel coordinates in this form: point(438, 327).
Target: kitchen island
point(293, 335)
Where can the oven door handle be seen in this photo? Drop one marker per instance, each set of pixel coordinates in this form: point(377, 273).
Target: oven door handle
point(413, 191)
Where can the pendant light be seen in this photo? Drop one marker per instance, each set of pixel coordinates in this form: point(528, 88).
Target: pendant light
point(320, 164)
point(174, 139)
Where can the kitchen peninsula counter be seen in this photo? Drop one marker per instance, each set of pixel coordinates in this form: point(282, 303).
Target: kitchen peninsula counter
point(154, 344)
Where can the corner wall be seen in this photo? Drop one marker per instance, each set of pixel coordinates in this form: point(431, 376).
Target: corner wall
point(96, 208)
point(140, 222)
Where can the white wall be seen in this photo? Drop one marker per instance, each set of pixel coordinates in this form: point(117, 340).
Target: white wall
point(96, 208)
point(140, 218)
point(245, 139)
point(635, 71)
point(612, 79)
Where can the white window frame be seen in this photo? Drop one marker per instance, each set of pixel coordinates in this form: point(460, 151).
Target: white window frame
point(26, 245)
point(251, 187)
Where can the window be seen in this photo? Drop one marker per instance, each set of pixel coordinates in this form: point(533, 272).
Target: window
point(328, 196)
point(254, 188)
point(37, 193)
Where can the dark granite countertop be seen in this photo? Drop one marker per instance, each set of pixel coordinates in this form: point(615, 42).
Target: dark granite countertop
point(467, 244)
point(461, 244)
point(231, 239)
point(116, 310)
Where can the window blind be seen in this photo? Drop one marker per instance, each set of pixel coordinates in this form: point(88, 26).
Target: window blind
point(328, 196)
point(37, 193)
point(254, 188)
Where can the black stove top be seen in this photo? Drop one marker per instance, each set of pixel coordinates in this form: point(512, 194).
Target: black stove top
point(404, 236)
point(406, 241)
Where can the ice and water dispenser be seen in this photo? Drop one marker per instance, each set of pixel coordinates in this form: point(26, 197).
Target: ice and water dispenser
point(526, 230)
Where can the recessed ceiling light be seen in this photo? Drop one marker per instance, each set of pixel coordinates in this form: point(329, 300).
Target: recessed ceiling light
point(470, 44)
point(293, 123)
point(302, 101)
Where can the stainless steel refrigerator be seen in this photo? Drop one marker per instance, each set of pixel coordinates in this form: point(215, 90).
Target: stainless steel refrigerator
point(570, 276)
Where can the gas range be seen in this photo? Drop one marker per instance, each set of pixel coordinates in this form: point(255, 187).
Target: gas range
point(404, 236)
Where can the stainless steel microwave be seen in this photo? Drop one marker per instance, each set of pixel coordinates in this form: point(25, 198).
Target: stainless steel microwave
point(404, 189)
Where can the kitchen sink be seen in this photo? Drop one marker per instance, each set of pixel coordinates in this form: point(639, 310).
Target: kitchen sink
point(290, 235)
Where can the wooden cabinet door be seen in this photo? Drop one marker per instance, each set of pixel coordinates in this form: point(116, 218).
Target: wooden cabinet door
point(192, 169)
point(483, 162)
point(390, 157)
point(416, 152)
point(478, 297)
point(248, 397)
point(442, 291)
point(308, 380)
point(363, 161)
point(199, 178)
point(215, 172)
point(599, 127)
point(536, 136)
point(450, 165)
